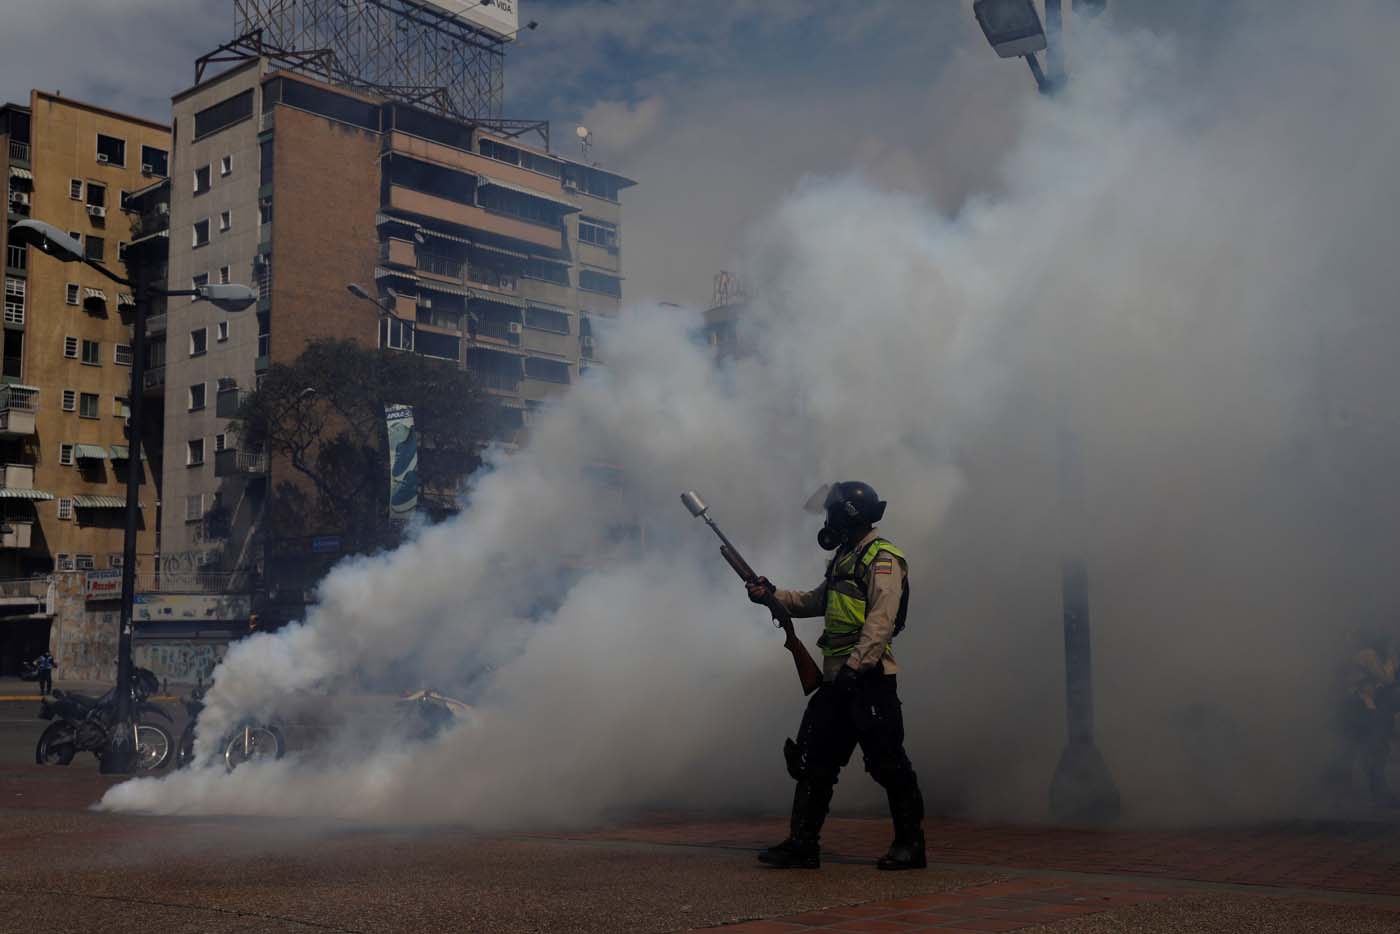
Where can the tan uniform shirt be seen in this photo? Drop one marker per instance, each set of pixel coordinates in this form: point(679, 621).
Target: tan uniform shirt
point(883, 593)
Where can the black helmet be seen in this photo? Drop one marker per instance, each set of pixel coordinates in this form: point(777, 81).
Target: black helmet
point(849, 505)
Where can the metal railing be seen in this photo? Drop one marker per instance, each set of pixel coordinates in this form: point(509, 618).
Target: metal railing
point(19, 398)
point(34, 587)
point(499, 329)
point(19, 150)
point(485, 275)
point(176, 578)
point(153, 377)
point(156, 324)
point(439, 265)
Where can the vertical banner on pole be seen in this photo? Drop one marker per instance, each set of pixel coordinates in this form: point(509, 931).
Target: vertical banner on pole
point(403, 460)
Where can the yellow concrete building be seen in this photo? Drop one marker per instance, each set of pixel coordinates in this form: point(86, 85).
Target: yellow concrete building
point(67, 348)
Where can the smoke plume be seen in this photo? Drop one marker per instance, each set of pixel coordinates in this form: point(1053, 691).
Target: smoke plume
point(1184, 265)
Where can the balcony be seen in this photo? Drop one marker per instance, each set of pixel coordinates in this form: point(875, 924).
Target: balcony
point(17, 476)
point(478, 165)
point(19, 152)
point(396, 252)
point(446, 267)
point(233, 462)
point(229, 401)
point(16, 533)
point(153, 382)
point(156, 324)
point(466, 215)
point(22, 590)
point(18, 405)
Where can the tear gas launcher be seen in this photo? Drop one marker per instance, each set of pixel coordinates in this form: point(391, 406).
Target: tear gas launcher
point(807, 671)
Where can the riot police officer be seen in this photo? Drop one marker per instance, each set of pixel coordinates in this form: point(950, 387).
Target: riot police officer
point(864, 599)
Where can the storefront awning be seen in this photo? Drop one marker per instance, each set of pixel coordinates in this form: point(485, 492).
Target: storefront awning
point(485, 182)
point(95, 452)
point(99, 502)
point(18, 172)
point(35, 495)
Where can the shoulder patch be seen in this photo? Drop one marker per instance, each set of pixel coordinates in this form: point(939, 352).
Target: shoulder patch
point(884, 564)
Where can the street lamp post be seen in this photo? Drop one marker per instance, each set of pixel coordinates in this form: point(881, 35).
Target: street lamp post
point(121, 741)
point(1082, 790)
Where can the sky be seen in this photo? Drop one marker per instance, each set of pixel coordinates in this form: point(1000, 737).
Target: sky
point(718, 110)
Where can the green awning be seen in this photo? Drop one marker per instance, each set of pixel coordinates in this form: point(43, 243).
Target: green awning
point(119, 453)
point(94, 452)
point(99, 502)
point(36, 495)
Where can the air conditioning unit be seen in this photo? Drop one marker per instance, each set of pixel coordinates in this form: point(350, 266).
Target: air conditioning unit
point(570, 184)
point(19, 197)
point(163, 209)
point(97, 210)
point(515, 327)
point(102, 158)
point(147, 169)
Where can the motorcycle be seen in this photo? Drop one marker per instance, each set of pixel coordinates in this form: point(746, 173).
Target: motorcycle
point(84, 724)
point(249, 741)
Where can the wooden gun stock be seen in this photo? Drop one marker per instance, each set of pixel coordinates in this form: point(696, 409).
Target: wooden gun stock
point(808, 672)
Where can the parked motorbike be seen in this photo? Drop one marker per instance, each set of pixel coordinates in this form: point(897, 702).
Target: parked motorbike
point(250, 740)
point(84, 724)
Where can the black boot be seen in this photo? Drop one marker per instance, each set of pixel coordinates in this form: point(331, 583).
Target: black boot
point(802, 848)
point(907, 813)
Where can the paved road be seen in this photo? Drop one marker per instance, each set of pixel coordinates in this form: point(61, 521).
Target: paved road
point(64, 867)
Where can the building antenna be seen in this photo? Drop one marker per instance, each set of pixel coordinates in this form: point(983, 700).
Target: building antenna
point(585, 141)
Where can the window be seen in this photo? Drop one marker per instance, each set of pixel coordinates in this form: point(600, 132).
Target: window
point(70, 348)
point(14, 301)
point(221, 332)
point(220, 442)
point(92, 352)
point(75, 189)
point(547, 319)
point(226, 166)
point(551, 371)
point(201, 232)
point(196, 397)
point(16, 257)
point(114, 560)
point(70, 294)
point(119, 407)
point(194, 508)
point(600, 233)
point(84, 562)
point(395, 334)
point(121, 355)
point(223, 114)
point(224, 275)
point(265, 162)
point(111, 150)
point(65, 562)
point(599, 282)
point(87, 405)
point(202, 180)
point(155, 161)
point(121, 251)
point(65, 455)
point(199, 342)
point(96, 195)
point(194, 452)
point(536, 268)
point(70, 400)
point(95, 248)
point(65, 506)
point(225, 221)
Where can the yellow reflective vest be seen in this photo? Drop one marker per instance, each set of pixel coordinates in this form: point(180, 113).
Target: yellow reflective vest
point(847, 583)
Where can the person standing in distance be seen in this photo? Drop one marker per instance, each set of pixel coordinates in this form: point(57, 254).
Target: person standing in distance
point(864, 599)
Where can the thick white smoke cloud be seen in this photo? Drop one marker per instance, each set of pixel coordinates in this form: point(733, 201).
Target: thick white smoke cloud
point(1188, 267)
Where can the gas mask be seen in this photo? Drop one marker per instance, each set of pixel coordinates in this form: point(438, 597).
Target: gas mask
point(829, 539)
point(848, 506)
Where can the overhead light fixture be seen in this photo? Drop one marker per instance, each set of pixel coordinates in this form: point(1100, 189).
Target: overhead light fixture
point(1011, 26)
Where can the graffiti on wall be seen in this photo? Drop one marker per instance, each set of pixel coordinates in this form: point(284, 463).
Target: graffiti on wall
point(183, 662)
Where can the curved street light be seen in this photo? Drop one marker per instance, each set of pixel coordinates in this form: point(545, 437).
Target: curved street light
point(47, 239)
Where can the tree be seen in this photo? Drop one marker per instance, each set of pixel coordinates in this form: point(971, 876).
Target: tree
point(323, 415)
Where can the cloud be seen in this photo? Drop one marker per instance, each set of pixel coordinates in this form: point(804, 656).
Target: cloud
point(618, 126)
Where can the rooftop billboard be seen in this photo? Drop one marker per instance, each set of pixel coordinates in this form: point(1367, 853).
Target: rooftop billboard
point(500, 18)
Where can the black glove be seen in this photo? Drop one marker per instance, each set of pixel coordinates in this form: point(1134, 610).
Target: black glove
point(846, 680)
point(760, 589)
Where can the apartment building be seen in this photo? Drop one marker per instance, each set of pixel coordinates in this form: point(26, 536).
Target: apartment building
point(494, 255)
point(67, 337)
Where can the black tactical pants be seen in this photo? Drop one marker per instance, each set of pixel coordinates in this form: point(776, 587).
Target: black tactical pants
point(45, 680)
point(838, 721)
